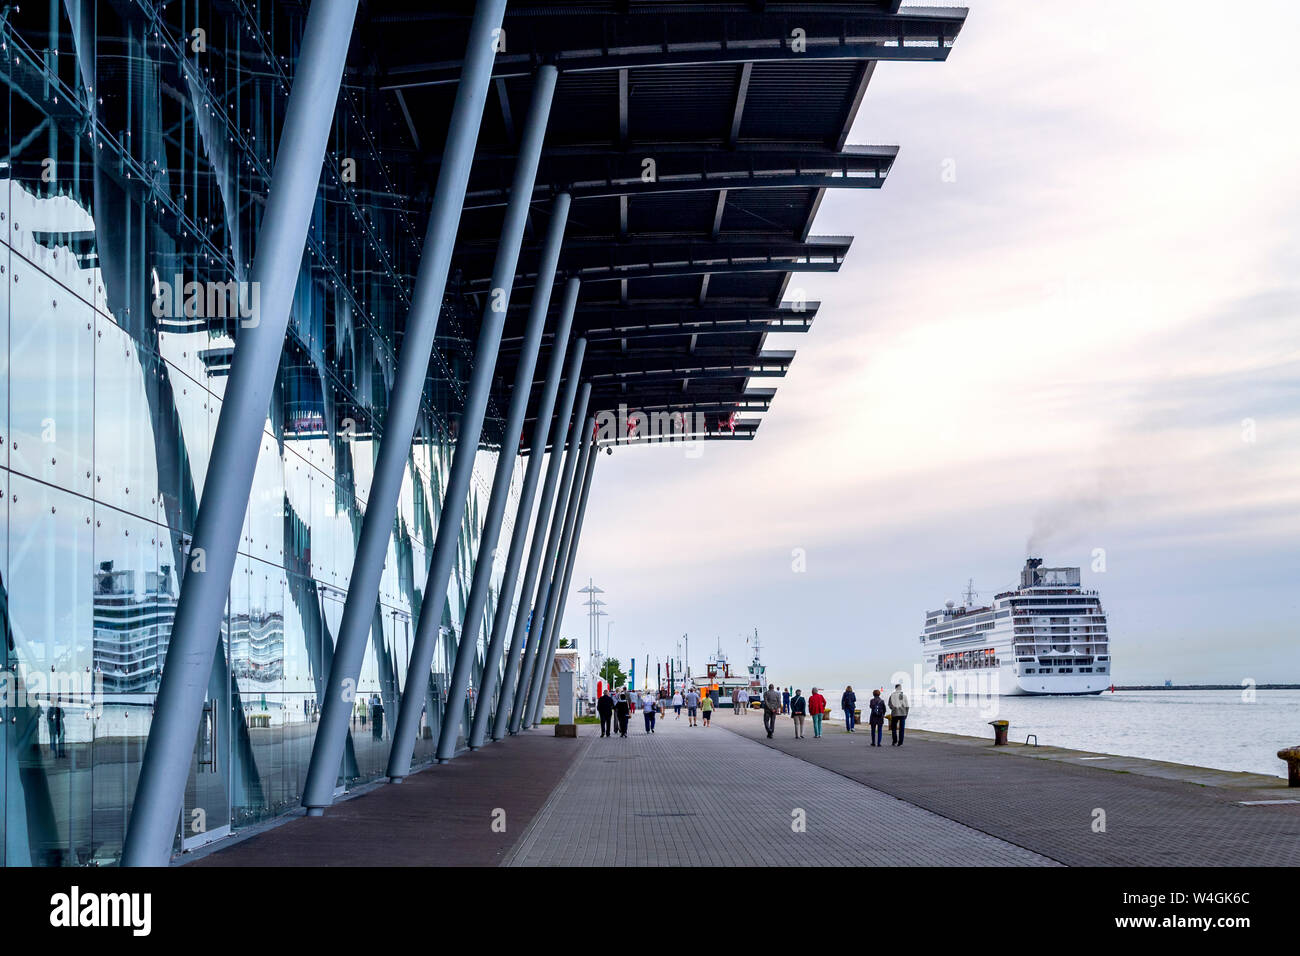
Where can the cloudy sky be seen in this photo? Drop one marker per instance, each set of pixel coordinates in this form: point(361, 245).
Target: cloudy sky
point(1084, 336)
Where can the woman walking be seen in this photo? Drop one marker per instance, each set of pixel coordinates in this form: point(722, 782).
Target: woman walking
point(798, 710)
point(677, 704)
point(706, 708)
point(817, 707)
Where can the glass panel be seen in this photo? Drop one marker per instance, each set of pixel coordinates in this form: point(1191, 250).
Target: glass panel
point(51, 372)
point(133, 597)
point(48, 783)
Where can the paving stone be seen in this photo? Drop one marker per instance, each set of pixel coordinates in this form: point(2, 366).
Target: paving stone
point(667, 799)
point(1049, 806)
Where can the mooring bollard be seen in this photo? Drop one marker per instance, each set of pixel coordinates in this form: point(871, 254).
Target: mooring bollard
point(1000, 728)
point(1292, 757)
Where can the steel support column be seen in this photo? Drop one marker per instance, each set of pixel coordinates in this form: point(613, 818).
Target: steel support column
point(536, 624)
point(546, 504)
point(196, 627)
point(403, 408)
point(471, 427)
point(467, 648)
point(554, 633)
point(550, 633)
point(554, 371)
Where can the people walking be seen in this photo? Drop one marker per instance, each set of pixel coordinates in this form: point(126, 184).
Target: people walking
point(742, 698)
point(650, 708)
point(798, 711)
point(772, 704)
point(877, 718)
point(692, 706)
point(677, 704)
point(848, 701)
point(624, 711)
point(605, 708)
point(817, 708)
point(706, 706)
point(897, 714)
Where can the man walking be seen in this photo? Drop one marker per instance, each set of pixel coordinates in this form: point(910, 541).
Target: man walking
point(605, 708)
point(650, 708)
point(877, 726)
point(785, 701)
point(897, 714)
point(692, 706)
point(771, 707)
point(848, 701)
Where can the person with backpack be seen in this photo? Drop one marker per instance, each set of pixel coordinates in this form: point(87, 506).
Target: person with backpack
point(897, 714)
point(877, 726)
point(798, 710)
point(771, 707)
point(817, 707)
point(848, 701)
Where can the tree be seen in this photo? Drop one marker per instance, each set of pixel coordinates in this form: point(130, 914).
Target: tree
point(611, 672)
point(565, 642)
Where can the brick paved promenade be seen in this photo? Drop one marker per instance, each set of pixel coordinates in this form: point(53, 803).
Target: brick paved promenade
point(665, 799)
point(442, 816)
point(1044, 799)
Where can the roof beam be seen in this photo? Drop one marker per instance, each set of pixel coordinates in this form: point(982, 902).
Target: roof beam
point(622, 107)
point(738, 111)
point(718, 210)
point(644, 40)
point(599, 175)
point(607, 323)
point(597, 259)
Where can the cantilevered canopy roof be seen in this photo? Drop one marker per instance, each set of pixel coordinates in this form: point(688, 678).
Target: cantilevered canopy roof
point(697, 141)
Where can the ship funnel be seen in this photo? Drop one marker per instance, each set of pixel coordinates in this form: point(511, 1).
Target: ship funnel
point(1029, 576)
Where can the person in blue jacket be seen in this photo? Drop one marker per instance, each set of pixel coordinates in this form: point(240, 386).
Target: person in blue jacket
point(848, 701)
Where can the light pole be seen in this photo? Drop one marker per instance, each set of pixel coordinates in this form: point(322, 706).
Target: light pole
point(594, 614)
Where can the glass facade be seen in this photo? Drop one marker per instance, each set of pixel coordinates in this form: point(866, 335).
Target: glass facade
point(135, 154)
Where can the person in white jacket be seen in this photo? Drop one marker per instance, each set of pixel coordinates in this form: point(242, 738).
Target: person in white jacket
point(897, 714)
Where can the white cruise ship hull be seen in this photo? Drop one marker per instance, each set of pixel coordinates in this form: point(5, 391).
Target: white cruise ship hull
point(1047, 638)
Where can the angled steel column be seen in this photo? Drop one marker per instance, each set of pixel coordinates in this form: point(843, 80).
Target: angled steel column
point(509, 696)
point(551, 633)
point(471, 427)
point(554, 633)
point(536, 624)
point(488, 682)
point(466, 650)
point(403, 408)
point(308, 119)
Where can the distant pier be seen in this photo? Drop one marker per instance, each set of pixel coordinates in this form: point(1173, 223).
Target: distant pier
point(1206, 686)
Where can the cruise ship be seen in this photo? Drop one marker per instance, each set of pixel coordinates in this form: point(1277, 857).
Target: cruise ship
point(1047, 636)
